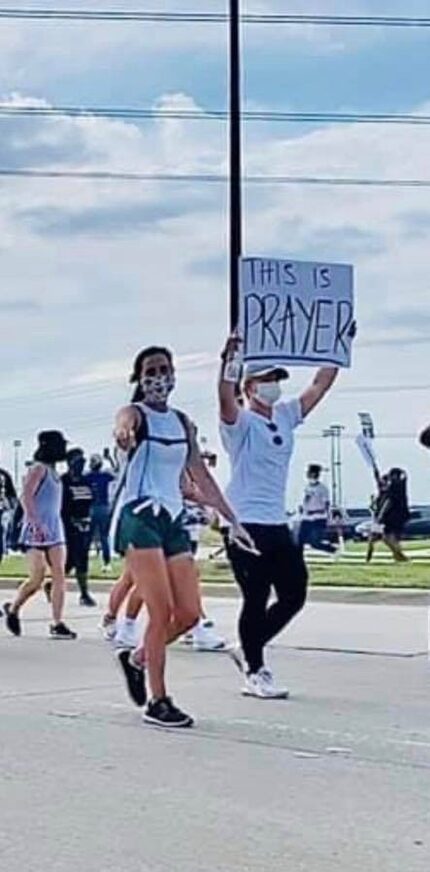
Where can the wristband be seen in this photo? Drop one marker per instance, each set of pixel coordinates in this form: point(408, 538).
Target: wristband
point(232, 371)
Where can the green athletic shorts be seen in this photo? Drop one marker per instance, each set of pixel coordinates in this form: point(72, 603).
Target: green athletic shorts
point(145, 529)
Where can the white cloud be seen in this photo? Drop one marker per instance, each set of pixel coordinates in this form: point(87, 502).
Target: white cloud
point(95, 293)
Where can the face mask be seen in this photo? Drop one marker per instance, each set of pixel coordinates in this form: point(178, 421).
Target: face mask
point(78, 466)
point(156, 389)
point(268, 393)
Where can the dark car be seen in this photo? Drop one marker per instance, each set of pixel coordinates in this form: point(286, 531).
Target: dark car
point(350, 519)
point(418, 526)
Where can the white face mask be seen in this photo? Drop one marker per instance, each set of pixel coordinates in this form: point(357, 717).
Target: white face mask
point(268, 393)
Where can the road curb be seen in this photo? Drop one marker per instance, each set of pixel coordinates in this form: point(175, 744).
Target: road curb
point(319, 594)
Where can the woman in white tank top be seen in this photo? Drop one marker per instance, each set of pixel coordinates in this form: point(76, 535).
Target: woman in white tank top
point(161, 444)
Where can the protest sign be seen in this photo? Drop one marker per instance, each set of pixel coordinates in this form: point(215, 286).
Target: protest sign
point(366, 447)
point(296, 312)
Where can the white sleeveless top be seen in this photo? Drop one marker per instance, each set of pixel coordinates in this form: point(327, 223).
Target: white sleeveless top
point(155, 468)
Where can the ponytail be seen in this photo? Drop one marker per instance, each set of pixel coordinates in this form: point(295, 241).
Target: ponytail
point(137, 396)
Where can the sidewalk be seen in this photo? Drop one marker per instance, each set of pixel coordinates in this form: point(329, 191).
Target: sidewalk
point(318, 593)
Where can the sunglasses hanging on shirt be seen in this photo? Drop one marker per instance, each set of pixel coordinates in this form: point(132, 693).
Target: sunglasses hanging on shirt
point(277, 440)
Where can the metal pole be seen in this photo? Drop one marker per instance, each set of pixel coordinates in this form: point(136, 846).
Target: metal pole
point(333, 468)
point(334, 433)
point(339, 468)
point(16, 446)
point(235, 162)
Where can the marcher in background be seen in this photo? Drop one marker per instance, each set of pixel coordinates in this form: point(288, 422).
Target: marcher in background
point(43, 535)
point(100, 481)
point(315, 513)
point(76, 512)
point(394, 512)
point(376, 531)
point(203, 636)
point(8, 502)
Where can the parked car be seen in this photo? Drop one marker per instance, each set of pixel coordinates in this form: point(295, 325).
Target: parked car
point(348, 523)
point(418, 526)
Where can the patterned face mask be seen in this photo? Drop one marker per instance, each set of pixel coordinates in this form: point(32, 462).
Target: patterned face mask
point(156, 389)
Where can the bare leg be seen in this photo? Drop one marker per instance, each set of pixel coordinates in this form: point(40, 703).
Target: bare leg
point(393, 544)
point(370, 548)
point(187, 604)
point(134, 605)
point(150, 575)
point(37, 567)
point(184, 581)
point(57, 561)
point(119, 593)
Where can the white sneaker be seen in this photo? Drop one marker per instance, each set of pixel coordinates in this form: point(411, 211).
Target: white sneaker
point(205, 638)
point(127, 634)
point(261, 685)
point(108, 628)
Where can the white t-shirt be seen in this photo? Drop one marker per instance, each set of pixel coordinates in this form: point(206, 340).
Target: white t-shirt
point(260, 450)
point(315, 502)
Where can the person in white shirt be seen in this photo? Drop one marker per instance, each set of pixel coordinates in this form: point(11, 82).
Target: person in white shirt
point(315, 513)
point(259, 441)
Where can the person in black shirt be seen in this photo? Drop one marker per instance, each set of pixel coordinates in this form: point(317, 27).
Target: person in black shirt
point(8, 501)
point(77, 504)
point(394, 512)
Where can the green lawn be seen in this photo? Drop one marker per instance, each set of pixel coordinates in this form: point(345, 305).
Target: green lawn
point(390, 575)
point(407, 575)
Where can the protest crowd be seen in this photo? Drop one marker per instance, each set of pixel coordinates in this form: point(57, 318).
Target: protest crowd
point(148, 501)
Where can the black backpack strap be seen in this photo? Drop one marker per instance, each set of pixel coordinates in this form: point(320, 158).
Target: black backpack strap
point(142, 432)
point(188, 430)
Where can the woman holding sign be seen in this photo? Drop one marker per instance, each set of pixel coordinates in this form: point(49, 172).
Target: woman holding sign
point(259, 440)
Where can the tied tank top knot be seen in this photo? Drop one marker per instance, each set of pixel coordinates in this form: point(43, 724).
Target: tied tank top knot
point(155, 468)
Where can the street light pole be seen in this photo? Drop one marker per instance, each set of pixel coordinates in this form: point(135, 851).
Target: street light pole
point(16, 447)
point(334, 433)
point(235, 161)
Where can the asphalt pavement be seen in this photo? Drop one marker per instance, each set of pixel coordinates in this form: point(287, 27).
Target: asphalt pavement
point(337, 779)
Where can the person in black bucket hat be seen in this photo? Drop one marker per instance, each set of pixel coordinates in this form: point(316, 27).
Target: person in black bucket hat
point(42, 535)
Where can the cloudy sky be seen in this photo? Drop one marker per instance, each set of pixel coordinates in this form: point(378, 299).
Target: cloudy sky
point(93, 270)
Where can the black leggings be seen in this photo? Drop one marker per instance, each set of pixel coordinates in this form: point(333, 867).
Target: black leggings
point(281, 566)
point(78, 549)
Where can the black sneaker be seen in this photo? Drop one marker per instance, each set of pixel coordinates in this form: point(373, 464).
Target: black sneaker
point(163, 713)
point(61, 631)
point(134, 676)
point(47, 589)
point(87, 600)
point(12, 620)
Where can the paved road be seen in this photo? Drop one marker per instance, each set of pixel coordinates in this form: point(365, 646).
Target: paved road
point(335, 780)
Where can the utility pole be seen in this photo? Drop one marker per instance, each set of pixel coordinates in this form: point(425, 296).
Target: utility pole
point(17, 444)
point(235, 161)
point(334, 433)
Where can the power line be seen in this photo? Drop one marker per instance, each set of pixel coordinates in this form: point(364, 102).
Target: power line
point(148, 114)
point(89, 391)
point(213, 178)
point(212, 17)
